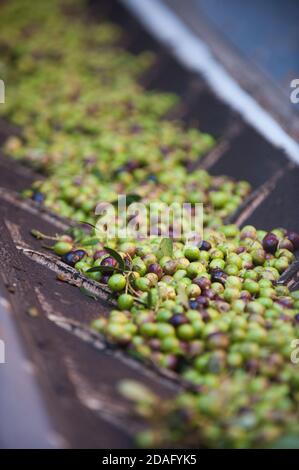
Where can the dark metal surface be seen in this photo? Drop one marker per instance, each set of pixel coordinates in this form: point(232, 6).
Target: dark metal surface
point(77, 374)
point(219, 25)
point(265, 32)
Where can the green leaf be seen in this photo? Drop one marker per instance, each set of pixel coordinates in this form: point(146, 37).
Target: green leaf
point(166, 247)
point(130, 198)
point(102, 269)
point(87, 223)
point(116, 256)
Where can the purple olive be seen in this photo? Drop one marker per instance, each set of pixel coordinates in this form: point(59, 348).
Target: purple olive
point(270, 242)
point(193, 304)
point(202, 282)
point(38, 197)
point(286, 302)
point(202, 301)
point(99, 254)
point(178, 319)
point(286, 244)
point(72, 257)
point(156, 269)
point(209, 294)
point(218, 275)
point(294, 238)
point(155, 344)
point(204, 245)
point(245, 295)
point(205, 315)
point(109, 261)
point(105, 278)
point(252, 365)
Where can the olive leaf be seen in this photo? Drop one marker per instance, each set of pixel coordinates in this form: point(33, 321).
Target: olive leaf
point(166, 247)
point(103, 269)
point(130, 198)
point(87, 223)
point(116, 256)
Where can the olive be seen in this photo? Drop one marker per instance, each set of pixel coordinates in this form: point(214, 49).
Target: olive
point(72, 257)
point(117, 282)
point(270, 243)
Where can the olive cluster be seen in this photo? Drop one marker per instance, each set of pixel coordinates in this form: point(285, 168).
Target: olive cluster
point(216, 314)
point(235, 411)
point(213, 312)
point(89, 125)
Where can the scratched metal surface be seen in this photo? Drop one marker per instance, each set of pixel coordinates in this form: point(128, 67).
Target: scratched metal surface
point(71, 375)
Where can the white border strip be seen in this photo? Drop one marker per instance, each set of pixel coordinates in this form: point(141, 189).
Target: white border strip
point(195, 54)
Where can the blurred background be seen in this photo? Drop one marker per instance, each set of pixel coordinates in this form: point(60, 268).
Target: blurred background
point(266, 33)
point(257, 42)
